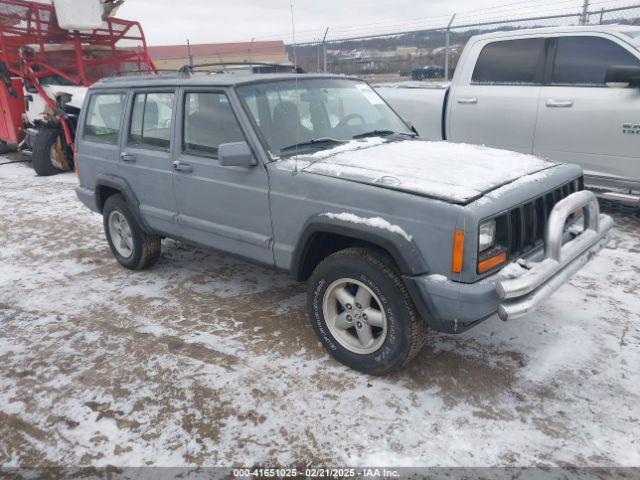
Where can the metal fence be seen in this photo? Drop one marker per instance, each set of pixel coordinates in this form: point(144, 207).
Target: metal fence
point(433, 52)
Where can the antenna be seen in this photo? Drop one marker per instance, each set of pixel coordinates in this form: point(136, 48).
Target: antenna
point(189, 53)
point(293, 28)
point(295, 66)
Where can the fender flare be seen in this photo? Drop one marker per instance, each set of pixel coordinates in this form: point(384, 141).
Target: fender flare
point(404, 252)
point(121, 185)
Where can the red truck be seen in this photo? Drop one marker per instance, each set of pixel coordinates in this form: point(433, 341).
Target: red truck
point(49, 56)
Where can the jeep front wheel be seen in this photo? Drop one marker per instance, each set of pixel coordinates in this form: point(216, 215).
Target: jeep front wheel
point(362, 312)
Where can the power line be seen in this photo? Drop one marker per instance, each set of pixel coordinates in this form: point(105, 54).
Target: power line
point(497, 9)
point(463, 20)
point(440, 27)
point(469, 22)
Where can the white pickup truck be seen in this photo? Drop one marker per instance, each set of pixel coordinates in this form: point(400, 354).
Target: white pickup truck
point(571, 94)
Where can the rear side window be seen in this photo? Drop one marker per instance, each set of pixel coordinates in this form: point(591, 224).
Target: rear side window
point(103, 118)
point(208, 123)
point(585, 60)
point(151, 120)
point(512, 62)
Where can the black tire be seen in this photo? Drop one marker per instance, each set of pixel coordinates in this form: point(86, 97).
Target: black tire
point(406, 331)
point(4, 148)
point(41, 156)
point(145, 248)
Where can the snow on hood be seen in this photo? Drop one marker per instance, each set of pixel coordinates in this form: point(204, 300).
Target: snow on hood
point(449, 171)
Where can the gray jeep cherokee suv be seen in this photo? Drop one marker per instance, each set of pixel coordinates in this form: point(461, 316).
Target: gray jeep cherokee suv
point(317, 175)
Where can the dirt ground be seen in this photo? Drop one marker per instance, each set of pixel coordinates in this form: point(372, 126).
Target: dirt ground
point(209, 360)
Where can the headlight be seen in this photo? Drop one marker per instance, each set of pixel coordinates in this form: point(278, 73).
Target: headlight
point(487, 237)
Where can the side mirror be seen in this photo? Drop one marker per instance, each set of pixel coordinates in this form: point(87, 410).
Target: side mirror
point(623, 77)
point(236, 154)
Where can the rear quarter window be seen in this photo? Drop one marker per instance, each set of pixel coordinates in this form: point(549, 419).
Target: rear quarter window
point(104, 117)
point(510, 62)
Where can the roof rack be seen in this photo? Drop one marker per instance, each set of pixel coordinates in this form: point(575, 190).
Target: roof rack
point(257, 67)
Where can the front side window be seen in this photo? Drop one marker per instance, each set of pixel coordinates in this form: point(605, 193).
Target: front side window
point(585, 60)
point(151, 120)
point(103, 118)
point(311, 114)
point(512, 62)
point(208, 123)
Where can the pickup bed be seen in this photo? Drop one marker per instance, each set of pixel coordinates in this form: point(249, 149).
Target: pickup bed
point(570, 94)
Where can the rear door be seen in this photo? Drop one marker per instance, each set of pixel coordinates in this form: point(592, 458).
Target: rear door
point(146, 155)
point(583, 121)
point(226, 208)
point(494, 102)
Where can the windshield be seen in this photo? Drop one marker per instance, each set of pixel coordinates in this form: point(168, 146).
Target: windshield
point(312, 114)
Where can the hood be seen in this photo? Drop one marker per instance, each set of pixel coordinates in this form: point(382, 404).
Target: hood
point(453, 172)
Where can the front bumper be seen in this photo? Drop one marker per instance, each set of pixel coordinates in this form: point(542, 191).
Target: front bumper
point(454, 307)
point(523, 294)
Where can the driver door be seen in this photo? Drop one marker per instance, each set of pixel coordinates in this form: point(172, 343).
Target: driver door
point(226, 208)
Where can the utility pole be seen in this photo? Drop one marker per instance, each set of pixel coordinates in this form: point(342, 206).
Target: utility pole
point(324, 47)
point(446, 48)
point(250, 51)
point(585, 13)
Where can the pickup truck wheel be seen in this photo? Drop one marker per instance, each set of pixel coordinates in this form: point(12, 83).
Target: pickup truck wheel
point(362, 312)
point(131, 246)
point(49, 156)
point(4, 148)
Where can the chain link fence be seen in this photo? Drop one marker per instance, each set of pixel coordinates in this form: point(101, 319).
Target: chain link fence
point(431, 53)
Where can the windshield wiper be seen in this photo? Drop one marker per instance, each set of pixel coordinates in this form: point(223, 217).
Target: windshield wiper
point(313, 143)
point(382, 133)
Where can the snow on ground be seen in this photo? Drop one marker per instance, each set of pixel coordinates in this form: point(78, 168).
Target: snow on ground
point(209, 360)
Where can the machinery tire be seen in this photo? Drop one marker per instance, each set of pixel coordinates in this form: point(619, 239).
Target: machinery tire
point(43, 144)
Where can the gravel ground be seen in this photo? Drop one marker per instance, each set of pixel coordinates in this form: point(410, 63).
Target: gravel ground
point(208, 360)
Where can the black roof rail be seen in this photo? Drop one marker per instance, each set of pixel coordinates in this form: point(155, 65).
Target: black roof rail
point(192, 68)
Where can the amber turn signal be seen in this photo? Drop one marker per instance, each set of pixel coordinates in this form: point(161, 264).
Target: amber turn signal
point(493, 262)
point(458, 252)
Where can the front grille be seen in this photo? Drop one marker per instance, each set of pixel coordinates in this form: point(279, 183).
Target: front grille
point(525, 223)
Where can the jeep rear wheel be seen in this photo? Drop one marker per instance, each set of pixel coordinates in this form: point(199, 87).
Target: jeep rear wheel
point(133, 248)
point(362, 312)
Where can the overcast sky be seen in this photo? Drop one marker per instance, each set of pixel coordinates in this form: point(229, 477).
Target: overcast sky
point(207, 21)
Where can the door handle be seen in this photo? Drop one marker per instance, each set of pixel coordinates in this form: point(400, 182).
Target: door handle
point(182, 167)
point(552, 103)
point(127, 157)
point(467, 101)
